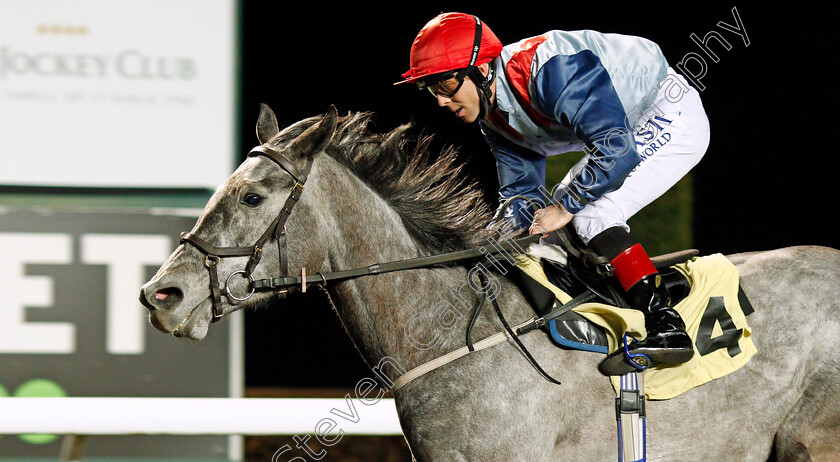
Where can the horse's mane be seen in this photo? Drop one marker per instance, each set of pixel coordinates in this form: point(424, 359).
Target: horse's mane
point(439, 206)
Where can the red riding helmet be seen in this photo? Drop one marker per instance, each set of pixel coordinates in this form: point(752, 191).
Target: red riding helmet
point(451, 41)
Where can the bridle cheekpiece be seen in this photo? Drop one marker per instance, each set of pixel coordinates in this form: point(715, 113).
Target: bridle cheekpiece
point(277, 229)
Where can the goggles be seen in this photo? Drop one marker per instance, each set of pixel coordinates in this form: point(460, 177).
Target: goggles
point(446, 85)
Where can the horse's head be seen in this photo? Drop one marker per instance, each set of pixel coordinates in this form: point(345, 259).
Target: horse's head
point(209, 274)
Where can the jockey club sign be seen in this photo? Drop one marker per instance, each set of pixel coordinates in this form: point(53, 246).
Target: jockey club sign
point(78, 78)
point(128, 64)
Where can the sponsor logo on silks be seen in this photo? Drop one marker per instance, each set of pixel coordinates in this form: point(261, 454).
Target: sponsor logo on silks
point(653, 136)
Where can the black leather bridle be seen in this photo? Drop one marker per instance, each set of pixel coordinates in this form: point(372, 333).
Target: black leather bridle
point(281, 285)
point(276, 229)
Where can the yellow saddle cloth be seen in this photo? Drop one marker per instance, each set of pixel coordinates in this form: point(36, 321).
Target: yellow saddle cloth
point(712, 314)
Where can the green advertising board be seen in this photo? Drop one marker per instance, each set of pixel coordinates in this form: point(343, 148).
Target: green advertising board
point(73, 326)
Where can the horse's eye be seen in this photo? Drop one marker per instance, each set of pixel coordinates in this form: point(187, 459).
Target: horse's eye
point(252, 200)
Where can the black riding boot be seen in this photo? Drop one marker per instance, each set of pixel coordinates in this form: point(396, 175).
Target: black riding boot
point(667, 342)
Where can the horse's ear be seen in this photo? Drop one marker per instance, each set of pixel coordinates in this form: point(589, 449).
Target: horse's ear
point(267, 126)
point(316, 137)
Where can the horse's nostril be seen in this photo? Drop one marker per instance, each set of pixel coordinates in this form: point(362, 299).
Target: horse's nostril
point(167, 298)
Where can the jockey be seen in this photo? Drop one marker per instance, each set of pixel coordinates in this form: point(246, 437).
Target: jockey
point(641, 127)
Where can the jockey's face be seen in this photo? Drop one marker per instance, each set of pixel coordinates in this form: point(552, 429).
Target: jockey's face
point(465, 102)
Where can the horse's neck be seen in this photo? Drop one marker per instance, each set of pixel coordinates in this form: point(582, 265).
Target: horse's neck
point(377, 310)
point(364, 228)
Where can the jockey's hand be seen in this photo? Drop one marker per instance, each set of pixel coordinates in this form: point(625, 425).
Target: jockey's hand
point(550, 219)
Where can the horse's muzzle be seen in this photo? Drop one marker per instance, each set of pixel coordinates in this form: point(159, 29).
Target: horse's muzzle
point(166, 298)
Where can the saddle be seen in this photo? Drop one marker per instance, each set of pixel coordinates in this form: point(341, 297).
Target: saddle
point(587, 277)
point(580, 306)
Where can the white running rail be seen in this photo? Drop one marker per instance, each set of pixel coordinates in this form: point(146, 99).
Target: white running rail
point(193, 416)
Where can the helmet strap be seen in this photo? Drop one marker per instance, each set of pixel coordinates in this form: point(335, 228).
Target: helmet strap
point(482, 83)
point(483, 86)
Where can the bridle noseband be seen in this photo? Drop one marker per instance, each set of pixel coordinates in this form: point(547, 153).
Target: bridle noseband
point(276, 229)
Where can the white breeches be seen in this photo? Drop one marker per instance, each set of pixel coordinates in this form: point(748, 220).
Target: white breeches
point(672, 137)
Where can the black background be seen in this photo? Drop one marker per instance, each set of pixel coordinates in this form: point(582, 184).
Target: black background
point(767, 180)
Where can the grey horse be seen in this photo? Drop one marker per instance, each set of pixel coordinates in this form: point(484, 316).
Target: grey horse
point(374, 198)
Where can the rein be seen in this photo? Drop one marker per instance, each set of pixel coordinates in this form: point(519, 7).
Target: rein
point(277, 229)
point(399, 265)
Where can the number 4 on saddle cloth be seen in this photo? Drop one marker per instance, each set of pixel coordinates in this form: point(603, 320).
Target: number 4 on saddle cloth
point(585, 311)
